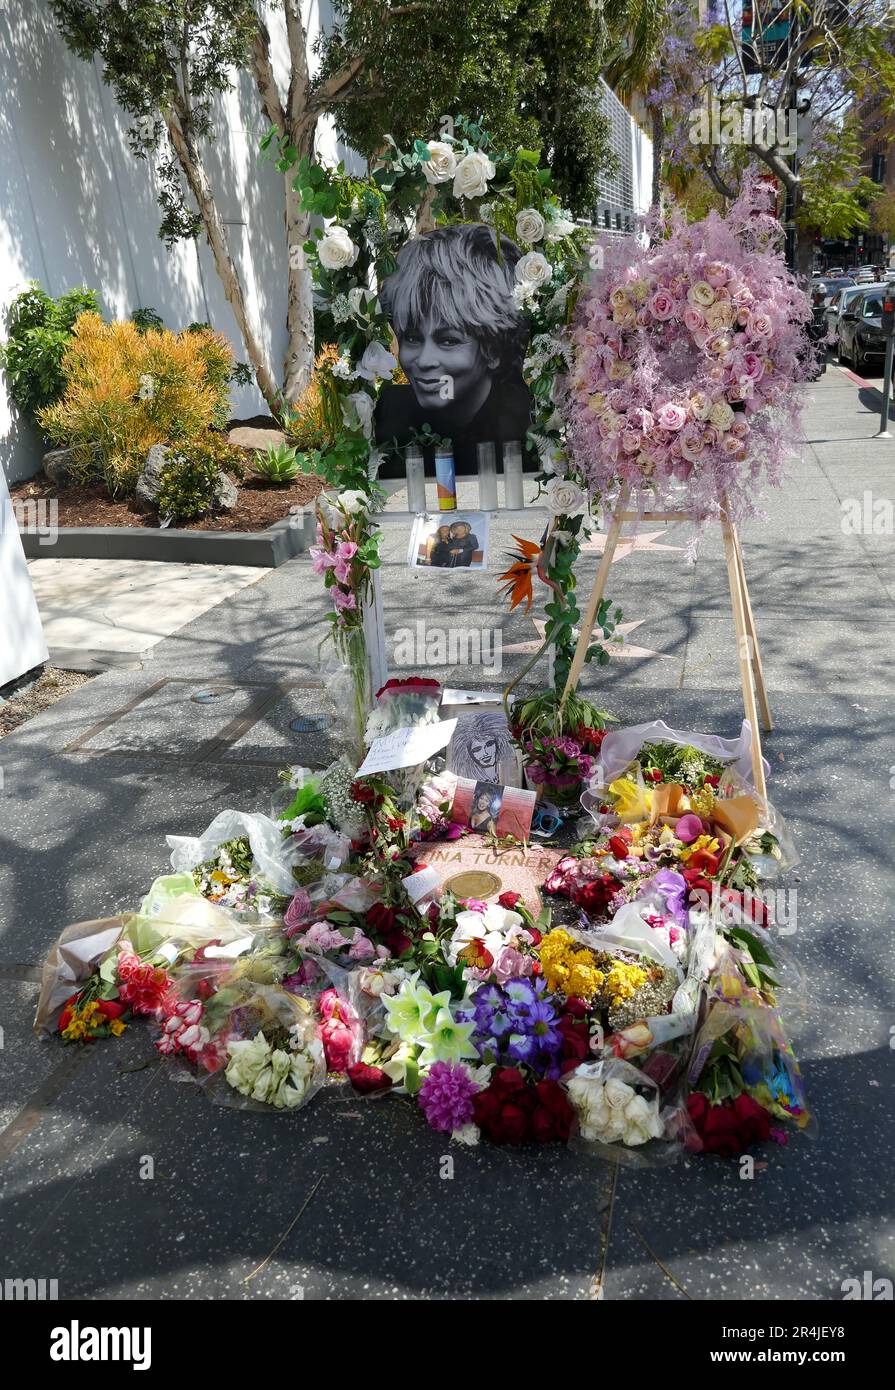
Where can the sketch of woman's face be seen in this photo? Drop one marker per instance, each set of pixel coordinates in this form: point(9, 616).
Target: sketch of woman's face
point(484, 753)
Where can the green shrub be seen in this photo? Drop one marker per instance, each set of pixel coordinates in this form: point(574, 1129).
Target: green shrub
point(277, 464)
point(39, 329)
point(146, 319)
point(189, 479)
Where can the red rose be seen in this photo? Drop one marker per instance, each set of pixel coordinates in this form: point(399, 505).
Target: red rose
point(697, 1105)
point(754, 1121)
point(381, 918)
point(619, 847)
point(575, 1041)
point(368, 1079)
point(751, 907)
point(654, 775)
point(595, 897)
point(712, 780)
point(509, 900)
point(555, 1116)
point(514, 1124)
point(720, 1132)
point(508, 1081)
point(112, 1008)
point(575, 1006)
point(535, 935)
point(362, 792)
point(68, 1009)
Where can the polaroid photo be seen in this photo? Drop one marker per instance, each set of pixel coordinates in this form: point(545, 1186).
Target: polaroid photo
point(449, 540)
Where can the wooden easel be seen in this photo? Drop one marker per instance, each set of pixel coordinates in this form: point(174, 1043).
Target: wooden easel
point(749, 657)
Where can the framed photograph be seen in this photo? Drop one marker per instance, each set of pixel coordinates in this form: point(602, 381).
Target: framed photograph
point(450, 540)
point(491, 809)
point(460, 340)
point(481, 749)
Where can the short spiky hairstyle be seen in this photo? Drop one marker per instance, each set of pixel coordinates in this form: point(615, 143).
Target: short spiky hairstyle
point(455, 275)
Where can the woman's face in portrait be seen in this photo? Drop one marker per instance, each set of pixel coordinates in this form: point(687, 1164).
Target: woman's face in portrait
point(446, 367)
point(443, 533)
point(483, 751)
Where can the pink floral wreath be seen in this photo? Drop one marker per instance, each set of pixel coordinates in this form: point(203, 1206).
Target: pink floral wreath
point(686, 355)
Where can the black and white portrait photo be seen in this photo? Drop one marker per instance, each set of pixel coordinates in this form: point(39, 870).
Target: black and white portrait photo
point(481, 749)
point(461, 342)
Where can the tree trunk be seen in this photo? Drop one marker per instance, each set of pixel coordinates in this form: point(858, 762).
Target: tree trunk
point(215, 230)
point(658, 133)
point(299, 362)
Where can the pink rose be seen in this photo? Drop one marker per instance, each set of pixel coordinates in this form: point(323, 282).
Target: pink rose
point(753, 366)
point(662, 305)
point(761, 326)
point(671, 417)
point(694, 319)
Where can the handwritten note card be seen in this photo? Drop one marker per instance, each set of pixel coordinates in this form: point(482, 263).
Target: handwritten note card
point(406, 747)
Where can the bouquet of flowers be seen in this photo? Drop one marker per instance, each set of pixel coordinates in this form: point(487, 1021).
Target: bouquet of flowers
point(559, 743)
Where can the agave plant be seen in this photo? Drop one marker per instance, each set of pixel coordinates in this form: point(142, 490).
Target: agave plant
point(278, 464)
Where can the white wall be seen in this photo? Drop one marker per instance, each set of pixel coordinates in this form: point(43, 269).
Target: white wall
point(76, 207)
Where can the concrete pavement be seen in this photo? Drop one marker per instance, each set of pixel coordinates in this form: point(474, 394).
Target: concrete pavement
point(91, 787)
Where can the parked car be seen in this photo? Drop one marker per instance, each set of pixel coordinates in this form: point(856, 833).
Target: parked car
point(839, 302)
point(822, 292)
point(835, 270)
point(860, 333)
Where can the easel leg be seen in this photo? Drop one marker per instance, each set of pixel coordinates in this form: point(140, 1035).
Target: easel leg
point(596, 598)
point(744, 643)
point(754, 652)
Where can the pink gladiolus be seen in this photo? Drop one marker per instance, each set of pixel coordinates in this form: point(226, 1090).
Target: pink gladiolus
point(345, 602)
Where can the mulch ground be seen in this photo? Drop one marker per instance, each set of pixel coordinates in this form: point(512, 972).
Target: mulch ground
point(23, 699)
point(259, 506)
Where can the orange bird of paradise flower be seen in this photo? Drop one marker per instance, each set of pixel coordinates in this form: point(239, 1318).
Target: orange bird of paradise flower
point(518, 578)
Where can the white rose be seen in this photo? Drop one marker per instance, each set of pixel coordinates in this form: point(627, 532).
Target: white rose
point(721, 415)
point(353, 502)
point(357, 412)
point(534, 269)
point(701, 294)
point(529, 225)
point(559, 228)
point(472, 175)
point(442, 165)
point(337, 250)
point(618, 1094)
point(564, 497)
point(376, 362)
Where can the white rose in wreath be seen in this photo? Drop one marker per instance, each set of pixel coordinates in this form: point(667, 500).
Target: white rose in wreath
point(564, 497)
point(560, 227)
point(701, 294)
point(337, 250)
point(721, 415)
point(472, 175)
point(529, 225)
point(357, 412)
point(533, 270)
point(376, 362)
point(442, 164)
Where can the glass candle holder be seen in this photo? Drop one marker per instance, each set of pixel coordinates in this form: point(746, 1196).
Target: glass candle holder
point(513, 497)
point(487, 461)
point(415, 465)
